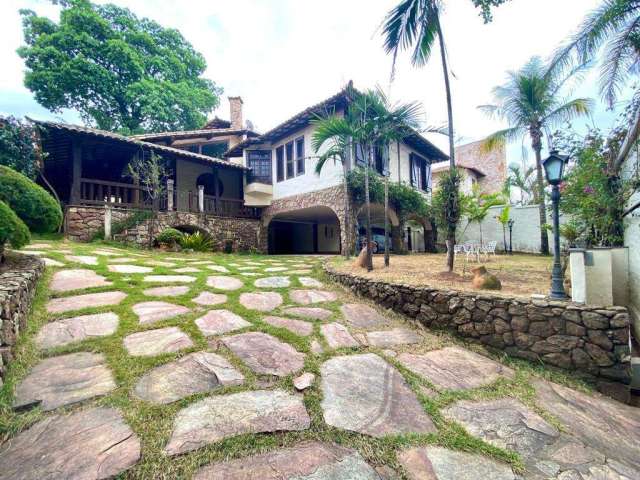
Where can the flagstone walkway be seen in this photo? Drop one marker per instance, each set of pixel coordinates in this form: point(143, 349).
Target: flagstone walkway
point(216, 374)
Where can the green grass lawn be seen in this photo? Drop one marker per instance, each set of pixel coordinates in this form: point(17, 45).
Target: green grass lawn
point(153, 424)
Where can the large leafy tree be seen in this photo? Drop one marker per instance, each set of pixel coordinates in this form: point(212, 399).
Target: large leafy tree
point(611, 34)
point(120, 72)
point(531, 102)
point(18, 146)
point(415, 25)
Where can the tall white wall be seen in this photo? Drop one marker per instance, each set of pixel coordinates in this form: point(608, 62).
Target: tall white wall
point(526, 229)
point(632, 240)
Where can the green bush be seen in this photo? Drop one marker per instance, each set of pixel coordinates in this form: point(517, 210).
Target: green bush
point(35, 207)
point(197, 242)
point(169, 237)
point(12, 229)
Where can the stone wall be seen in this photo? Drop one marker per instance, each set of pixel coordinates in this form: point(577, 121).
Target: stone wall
point(590, 339)
point(17, 289)
point(81, 223)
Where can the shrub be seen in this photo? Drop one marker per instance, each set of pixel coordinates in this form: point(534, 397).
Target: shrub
point(35, 207)
point(197, 242)
point(169, 237)
point(12, 229)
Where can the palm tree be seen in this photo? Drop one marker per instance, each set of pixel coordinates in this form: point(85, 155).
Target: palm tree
point(370, 122)
point(530, 102)
point(476, 206)
point(416, 24)
point(613, 29)
point(523, 180)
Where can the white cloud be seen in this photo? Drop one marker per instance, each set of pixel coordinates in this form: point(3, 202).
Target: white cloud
point(283, 55)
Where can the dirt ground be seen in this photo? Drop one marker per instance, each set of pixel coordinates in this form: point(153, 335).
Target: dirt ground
point(520, 274)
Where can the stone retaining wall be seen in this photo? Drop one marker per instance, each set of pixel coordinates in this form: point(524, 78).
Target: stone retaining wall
point(17, 289)
point(590, 339)
point(82, 223)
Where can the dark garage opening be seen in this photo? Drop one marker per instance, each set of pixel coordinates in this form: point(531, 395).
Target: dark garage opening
point(309, 230)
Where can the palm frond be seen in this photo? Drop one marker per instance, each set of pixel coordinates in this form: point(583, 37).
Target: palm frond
point(569, 110)
point(500, 138)
point(620, 55)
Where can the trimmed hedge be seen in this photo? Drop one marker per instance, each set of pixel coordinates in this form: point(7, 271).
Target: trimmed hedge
point(35, 207)
point(169, 237)
point(12, 229)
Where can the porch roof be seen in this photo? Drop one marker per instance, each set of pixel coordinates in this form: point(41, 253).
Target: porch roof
point(115, 137)
point(205, 132)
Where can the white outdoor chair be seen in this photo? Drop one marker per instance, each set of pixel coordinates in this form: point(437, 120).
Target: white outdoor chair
point(489, 248)
point(471, 249)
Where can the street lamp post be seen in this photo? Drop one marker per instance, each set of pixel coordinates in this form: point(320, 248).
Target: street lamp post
point(553, 169)
point(510, 224)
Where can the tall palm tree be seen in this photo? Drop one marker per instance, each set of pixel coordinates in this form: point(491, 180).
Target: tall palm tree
point(530, 102)
point(523, 180)
point(612, 29)
point(370, 122)
point(415, 24)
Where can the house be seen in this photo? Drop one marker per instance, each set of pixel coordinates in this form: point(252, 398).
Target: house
point(249, 190)
point(486, 169)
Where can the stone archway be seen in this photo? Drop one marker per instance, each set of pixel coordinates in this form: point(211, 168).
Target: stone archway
point(377, 227)
point(428, 233)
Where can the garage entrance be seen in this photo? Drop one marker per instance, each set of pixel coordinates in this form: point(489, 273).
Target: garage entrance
point(308, 230)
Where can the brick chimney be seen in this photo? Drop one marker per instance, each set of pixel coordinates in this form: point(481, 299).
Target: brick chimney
point(235, 112)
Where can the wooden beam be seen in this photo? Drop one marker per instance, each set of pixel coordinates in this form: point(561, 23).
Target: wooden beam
point(76, 156)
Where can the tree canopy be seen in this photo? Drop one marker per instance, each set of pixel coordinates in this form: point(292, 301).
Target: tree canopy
point(120, 72)
point(17, 146)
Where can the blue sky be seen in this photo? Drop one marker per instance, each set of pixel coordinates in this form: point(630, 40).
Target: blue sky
point(284, 55)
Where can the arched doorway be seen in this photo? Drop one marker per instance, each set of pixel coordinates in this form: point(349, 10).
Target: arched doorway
point(308, 230)
point(418, 235)
point(377, 227)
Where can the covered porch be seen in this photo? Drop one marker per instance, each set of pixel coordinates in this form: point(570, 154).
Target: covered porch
point(90, 167)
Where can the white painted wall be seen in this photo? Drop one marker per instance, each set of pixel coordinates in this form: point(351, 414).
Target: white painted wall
point(187, 173)
point(632, 240)
point(329, 240)
point(526, 230)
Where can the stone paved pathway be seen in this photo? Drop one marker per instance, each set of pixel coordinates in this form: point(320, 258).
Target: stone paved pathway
point(317, 371)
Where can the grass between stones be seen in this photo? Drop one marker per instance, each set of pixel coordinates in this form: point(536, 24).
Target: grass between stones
point(153, 423)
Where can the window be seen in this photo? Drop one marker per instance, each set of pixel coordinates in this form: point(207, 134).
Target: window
point(420, 172)
point(215, 149)
point(290, 160)
point(259, 161)
point(300, 156)
point(280, 163)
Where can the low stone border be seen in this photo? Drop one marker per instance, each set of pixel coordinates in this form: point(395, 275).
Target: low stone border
point(587, 338)
point(17, 289)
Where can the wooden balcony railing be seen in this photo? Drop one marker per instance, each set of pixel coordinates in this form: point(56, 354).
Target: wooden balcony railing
point(99, 192)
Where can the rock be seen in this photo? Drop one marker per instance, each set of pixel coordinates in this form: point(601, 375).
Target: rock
point(129, 269)
point(75, 329)
point(90, 444)
point(390, 338)
point(169, 279)
point(152, 312)
point(272, 282)
point(454, 368)
point(156, 342)
point(595, 321)
point(505, 423)
point(316, 348)
point(308, 460)
point(63, 380)
point(218, 268)
point(50, 262)
point(299, 327)
point(310, 282)
point(187, 270)
point(222, 416)
point(304, 381)
point(209, 299)
point(276, 269)
point(83, 259)
point(218, 322)
point(75, 279)
point(482, 279)
point(362, 316)
point(305, 297)
point(610, 427)
point(438, 463)
point(361, 259)
point(77, 302)
point(337, 335)
point(264, 354)
point(174, 291)
point(263, 301)
point(365, 394)
point(314, 313)
point(194, 373)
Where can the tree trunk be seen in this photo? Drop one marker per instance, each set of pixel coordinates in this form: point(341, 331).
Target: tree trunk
point(386, 221)
point(536, 144)
point(368, 219)
point(480, 227)
point(451, 230)
point(346, 229)
point(504, 238)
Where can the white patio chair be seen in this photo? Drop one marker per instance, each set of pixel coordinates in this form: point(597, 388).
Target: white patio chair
point(471, 249)
point(489, 248)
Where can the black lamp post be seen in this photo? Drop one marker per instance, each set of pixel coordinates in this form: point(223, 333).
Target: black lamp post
point(510, 224)
point(553, 169)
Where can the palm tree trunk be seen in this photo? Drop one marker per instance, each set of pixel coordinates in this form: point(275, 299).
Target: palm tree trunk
point(451, 230)
point(346, 227)
point(368, 219)
point(536, 144)
point(504, 237)
point(386, 221)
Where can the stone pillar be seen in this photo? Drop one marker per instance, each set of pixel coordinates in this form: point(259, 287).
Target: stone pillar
point(170, 195)
point(108, 210)
point(201, 198)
